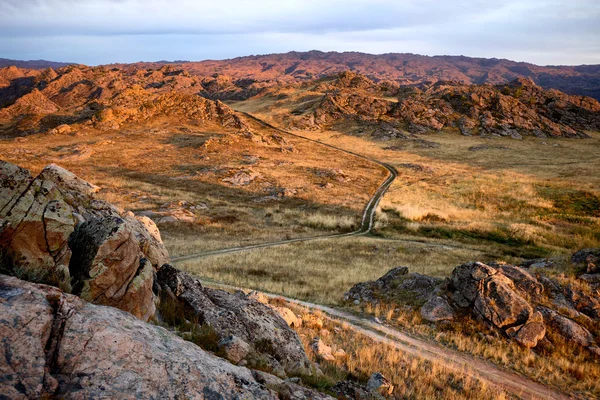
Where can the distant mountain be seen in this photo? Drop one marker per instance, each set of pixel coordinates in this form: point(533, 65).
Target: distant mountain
point(32, 64)
point(402, 68)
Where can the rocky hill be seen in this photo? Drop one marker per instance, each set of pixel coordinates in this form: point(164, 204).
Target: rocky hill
point(32, 64)
point(37, 101)
point(353, 103)
point(402, 68)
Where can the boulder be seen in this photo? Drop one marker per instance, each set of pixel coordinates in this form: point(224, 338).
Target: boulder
point(59, 346)
point(570, 330)
point(490, 294)
point(107, 267)
point(289, 317)
point(53, 230)
point(437, 309)
point(396, 285)
point(254, 323)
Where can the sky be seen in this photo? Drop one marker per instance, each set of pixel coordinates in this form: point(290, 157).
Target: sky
point(544, 32)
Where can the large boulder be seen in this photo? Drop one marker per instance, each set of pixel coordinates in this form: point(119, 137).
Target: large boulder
point(108, 267)
point(266, 333)
point(494, 298)
point(38, 216)
point(56, 345)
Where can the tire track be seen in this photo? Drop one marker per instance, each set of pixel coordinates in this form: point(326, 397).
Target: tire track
point(367, 220)
point(486, 371)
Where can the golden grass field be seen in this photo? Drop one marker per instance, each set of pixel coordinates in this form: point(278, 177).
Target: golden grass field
point(321, 271)
point(412, 377)
point(507, 200)
point(145, 168)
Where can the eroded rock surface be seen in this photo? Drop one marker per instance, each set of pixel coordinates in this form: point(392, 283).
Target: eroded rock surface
point(262, 329)
point(510, 299)
point(57, 345)
point(111, 256)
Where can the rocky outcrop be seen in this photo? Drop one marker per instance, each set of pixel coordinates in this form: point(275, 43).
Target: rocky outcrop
point(589, 258)
point(521, 303)
point(145, 106)
point(53, 230)
point(493, 297)
point(255, 328)
point(517, 108)
point(105, 98)
point(397, 285)
point(56, 345)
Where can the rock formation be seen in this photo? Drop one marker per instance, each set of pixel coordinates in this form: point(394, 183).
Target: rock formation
point(53, 230)
point(254, 330)
point(521, 303)
point(517, 108)
point(104, 98)
point(59, 346)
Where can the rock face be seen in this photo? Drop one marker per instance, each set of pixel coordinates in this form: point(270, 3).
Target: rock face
point(266, 335)
point(53, 230)
point(493, 297)
point(59, 346)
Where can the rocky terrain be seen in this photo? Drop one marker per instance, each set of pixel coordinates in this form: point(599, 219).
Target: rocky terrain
point(528, 303)
point(53, 231)
point(357, 105)
point(35, 101)
point(255, 72)
point(509, 104)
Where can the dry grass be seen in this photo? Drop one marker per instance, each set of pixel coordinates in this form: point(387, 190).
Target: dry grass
point(412, 377)
point(560, 365)
point(321, 271)
point(141, 168)
point(540, 197)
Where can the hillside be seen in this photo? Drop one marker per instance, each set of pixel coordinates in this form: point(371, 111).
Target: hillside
point(402, 68)
point(352, 103)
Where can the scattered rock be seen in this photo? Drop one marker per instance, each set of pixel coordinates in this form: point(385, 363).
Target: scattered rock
point(321, 350)
point(242, 178)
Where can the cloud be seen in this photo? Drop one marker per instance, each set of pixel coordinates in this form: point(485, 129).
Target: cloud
point(194, 29)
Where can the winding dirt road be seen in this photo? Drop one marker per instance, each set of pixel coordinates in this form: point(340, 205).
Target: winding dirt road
point(368, 215)
point(494, 375)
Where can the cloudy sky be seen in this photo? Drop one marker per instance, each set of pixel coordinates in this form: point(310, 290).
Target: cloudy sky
point(104, 31)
